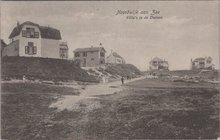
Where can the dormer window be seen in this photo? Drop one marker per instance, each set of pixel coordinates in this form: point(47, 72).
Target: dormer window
point(30, 33)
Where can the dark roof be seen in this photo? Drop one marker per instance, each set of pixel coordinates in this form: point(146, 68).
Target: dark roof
point(46, 32)
point(202, 59)
point(199, 59)
point(63, 44)
point(3, 44)
point(50, 33)
point(91, 49)
point(116, 55)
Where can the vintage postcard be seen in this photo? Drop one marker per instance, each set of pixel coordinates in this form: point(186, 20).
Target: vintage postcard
point(77, 70)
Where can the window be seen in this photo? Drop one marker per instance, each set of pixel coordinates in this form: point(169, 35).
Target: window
point(24, 33)
point(201, 63)
point(84, 54)
point(118, 60)
point(77, 54)
point(30, 49)
point(30, 33)
point(102, 54)
point(92, 59)
point(36, 34)
point(34, 49)
point(63, 53)
point(30, 43)
point(154, 63)
point(101, 61)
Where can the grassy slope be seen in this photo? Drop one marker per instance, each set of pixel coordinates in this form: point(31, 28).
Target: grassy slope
point(44, 68)
point(123, 70)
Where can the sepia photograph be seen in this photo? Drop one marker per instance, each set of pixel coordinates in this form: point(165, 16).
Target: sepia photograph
point(110, 70)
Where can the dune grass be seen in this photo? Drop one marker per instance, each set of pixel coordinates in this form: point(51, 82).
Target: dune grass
point(143, 110)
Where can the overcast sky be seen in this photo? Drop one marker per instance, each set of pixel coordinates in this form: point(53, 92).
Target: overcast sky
point(187, 29)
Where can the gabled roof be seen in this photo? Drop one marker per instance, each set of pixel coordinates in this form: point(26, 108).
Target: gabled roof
point(199, 59)
point(157, 59)
point(116, 55)
point(202, 59)
point(46, 32)
point(91, 49)
point(209, 58)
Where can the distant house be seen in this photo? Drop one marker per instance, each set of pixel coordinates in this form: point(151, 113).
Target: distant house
point(32, 40)
point(3, 45)
point(158, 64)
point(90, 57)
point(63, 50)
point(115, 58)
point(202, 63)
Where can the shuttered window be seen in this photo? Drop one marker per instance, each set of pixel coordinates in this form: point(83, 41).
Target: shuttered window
point(34, 50)
point(30, 49)
point(36, 34)
point(24, 33)
point(26, 49)
point(30, 33)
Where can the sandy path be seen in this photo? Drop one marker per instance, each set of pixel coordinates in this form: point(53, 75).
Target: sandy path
point(72, 102)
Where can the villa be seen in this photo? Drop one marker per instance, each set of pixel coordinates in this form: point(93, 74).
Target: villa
point(32, 40)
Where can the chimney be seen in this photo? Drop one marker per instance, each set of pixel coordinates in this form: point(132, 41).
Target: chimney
point(18, 23)
point(100, 44)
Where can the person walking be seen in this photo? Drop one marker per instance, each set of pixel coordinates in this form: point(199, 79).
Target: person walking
point(122, 80)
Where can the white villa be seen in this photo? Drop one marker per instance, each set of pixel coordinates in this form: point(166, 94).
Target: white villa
point(202, 63)
point(115, 58)
point(32, 40)
point(158, 64)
